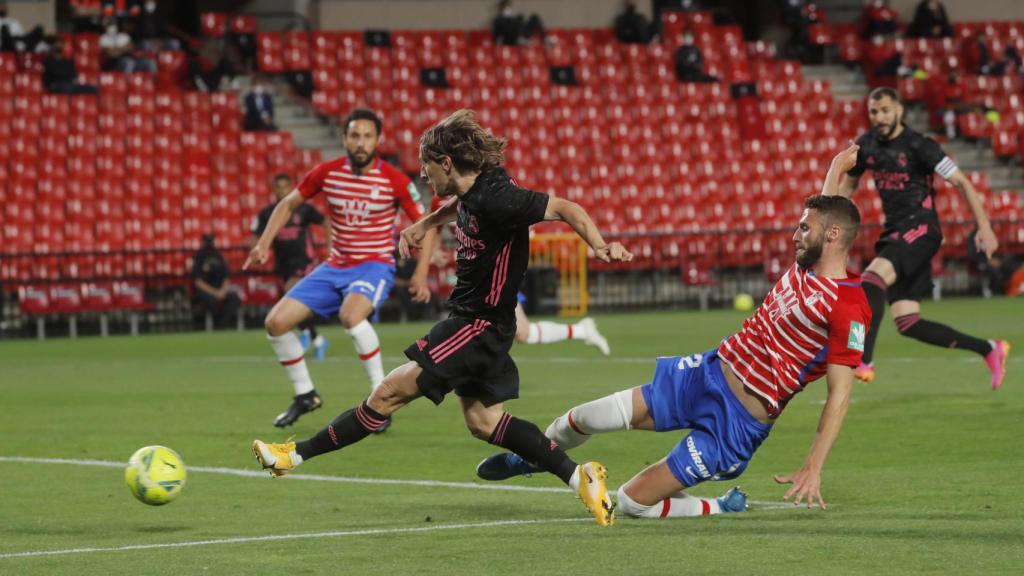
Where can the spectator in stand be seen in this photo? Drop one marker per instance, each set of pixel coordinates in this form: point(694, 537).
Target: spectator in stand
point(60, 74)
point(512, 28)
point(118, 52)
point(209, 63)
point(878, 19)
point(210, 274)
point(150, 30)
point(13, 37)
point(690, 62)
point(930, 21)
point(259, 108)
point(632, 27)
point(988, 66)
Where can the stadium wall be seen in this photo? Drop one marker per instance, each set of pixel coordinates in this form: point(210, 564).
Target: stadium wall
point(33, 13)
point(461, 14)
point(968, 10)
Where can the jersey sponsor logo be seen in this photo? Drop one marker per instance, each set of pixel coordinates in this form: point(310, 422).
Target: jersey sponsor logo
point(783, 302)
point(689, 362)
point(414, 192)
point(353, 211)
point(855, 341)
point(469, 248)
point(891, 180)
point(697, 457)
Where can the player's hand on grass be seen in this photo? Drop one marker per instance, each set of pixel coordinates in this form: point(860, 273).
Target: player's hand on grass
point(418, 289)
point(613, 252)
point(845, 160)
point(986, 241)
point(806, 484)
point(411, 237)
point(257, 256)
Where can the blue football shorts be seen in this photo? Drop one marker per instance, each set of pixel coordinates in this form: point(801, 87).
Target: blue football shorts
point(691, 392)
point(326, 287)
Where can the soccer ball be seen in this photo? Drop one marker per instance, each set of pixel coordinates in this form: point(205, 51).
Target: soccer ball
point(743, 302)
point(155, 475)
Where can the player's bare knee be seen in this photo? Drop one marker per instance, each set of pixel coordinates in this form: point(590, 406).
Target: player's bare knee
point(275, 325)
point(630, 507)
point(350, 319)
point(386, 398)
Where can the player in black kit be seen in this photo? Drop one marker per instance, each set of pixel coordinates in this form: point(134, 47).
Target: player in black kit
point(903, 163)
point(468, 352)
point(294, 253)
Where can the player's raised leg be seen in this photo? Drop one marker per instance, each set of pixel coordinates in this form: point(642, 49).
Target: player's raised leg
point(545, 332)
point(622, 410)
point(396, 390)
point(283, 317)
point(495, 426)
point(907, 315)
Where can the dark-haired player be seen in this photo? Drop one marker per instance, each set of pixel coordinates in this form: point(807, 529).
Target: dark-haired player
point(811, 324)
point(294, 252)
point(904, 164)
point(469, 352)
point(363, 196)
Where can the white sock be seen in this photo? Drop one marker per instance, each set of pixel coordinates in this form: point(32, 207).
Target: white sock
point(680, 504)
point(289, 353)
point(368, 347)
point(609, 414)
point(574, 481)
point(545, 332)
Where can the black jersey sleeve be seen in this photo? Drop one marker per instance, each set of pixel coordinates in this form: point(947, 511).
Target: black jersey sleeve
point(861, 165)
point(312, 215)
point(516, 207)
point(929, 154)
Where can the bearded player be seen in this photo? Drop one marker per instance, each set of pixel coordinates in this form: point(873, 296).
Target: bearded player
point(811, 324)
point(363, 196)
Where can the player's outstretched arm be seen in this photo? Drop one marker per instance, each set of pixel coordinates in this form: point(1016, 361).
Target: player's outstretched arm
point(418, 285)
point(574, 215)
point(806, 482)
point(412, 237)
point(282, 212)
point(841, 164)
point(986, 239)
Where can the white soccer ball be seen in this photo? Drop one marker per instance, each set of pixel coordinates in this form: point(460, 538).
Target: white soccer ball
point(155, 475)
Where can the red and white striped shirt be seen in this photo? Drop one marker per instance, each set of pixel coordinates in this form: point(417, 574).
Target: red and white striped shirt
point(804, 324)
point(362, 208)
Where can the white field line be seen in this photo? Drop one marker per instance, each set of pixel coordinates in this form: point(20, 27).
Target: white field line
point(763, 504)
point(273, 537)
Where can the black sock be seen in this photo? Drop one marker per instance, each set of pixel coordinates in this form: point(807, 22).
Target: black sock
point(309, 325)
point(525, 439)
point(939, 334)
point(350, 427)
point(876, 299)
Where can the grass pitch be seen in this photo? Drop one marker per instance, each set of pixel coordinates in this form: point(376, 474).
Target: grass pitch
point(925, 478)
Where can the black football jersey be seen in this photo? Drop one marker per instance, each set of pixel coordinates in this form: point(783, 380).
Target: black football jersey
point(903, 169)
point(493, 231)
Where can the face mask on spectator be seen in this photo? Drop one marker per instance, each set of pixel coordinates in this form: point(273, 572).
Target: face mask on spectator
point(150, 7)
